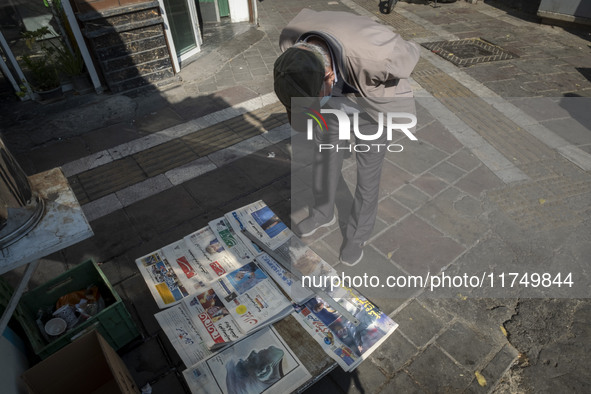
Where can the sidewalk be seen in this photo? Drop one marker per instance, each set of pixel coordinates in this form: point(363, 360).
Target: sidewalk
point(499, 181)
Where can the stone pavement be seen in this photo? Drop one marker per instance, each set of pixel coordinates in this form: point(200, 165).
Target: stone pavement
point(498, 182)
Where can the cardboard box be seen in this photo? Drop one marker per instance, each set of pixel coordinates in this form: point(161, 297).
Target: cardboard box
point(87, 365)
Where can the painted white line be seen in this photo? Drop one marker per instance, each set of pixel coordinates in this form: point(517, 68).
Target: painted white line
point(132, 147)
point(154, 185)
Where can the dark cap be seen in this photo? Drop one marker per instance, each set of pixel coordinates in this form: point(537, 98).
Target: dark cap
point(298, 73)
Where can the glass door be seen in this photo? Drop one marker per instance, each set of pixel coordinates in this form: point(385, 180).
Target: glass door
point(184, 27)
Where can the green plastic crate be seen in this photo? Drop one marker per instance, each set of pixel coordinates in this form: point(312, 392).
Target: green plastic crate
point(114, 322)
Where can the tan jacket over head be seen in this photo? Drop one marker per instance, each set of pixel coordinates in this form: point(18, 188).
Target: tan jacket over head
point(370, 57)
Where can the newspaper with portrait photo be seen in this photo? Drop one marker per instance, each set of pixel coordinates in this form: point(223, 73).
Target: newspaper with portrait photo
point(262, 362)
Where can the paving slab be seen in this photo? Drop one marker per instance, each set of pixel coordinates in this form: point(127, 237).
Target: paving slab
point(434, 371)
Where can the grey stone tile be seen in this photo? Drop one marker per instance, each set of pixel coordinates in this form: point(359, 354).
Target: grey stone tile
point(158, 119)
point(392, 178)
point(492, 72)
point(402, 383)
point(113, 235)
point(371, 274)
point(478, 181)
point(143, 189)
point(266, 165)
point(465, 345)
point(393, 354)
point(456, 214)
point(140, 304)
point(411, 197)
point(242, 77)
point(366, 378)
point(417, 247)
point(201, 188)
point(261, 71)
point(429, 184)
point(571, 130)
point(110, 136)
point(417, 157)
point(55, 155)
point(436, 373)
point(328, 254)
point(500, 363)
point(448, 172)
point(171, 383)
point(465, 160)
point(438, 136)
point(163, 211)
point(146, 362)
point(418, 324)
point(390, 211)
point(119, 268)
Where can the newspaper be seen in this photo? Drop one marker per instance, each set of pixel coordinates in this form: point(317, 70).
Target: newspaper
point(213, 256)
point(258, 219)
point(189, 265)
point(178, 326)
point(164, 284)
point(233, 243)
point(346, 343)
point(285, 279)
point(235, 305)
point(263, 362)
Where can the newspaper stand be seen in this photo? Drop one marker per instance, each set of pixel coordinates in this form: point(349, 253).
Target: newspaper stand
point(200, 325)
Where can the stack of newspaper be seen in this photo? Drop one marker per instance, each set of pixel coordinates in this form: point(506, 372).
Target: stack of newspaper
point(219, 287)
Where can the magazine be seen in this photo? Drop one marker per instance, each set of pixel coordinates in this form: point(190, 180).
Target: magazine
point(234, 306)
point(348, 344)
point(164, 284)
point(263, 362)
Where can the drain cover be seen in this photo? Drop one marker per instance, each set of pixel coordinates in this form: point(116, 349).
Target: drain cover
point(468, 51)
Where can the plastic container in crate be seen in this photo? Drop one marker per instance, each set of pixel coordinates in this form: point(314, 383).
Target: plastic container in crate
point(113, 322)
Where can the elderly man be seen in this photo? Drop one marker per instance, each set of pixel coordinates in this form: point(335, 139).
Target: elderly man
point(337, 54)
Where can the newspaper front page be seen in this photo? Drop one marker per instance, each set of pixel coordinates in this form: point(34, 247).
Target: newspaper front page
point(348, 344)
point(262, 362)
point(178, 325)
point(258, 219)
point(165, 286)
point(232, 307)
point(285, 279)
point(189, 265)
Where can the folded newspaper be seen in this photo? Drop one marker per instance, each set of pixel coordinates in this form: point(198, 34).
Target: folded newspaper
point(259, 220)
point(347, 326)
point(191, 264)
point(218, 282)
point(260, 363)
point(348, 344)
point(235, 305)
